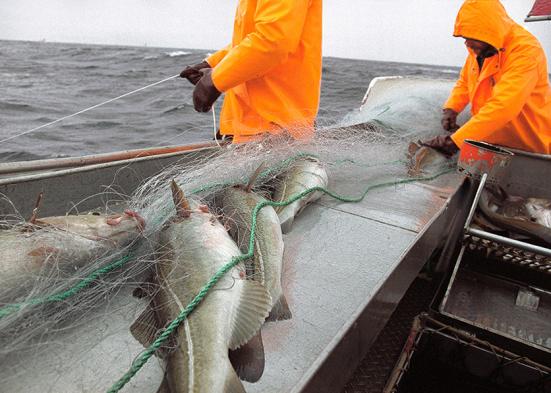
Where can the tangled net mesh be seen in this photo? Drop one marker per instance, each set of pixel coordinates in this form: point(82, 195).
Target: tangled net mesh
point(38, 326)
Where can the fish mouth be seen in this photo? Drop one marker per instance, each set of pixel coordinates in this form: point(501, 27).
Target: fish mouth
point(139, 219)
point(116, 220)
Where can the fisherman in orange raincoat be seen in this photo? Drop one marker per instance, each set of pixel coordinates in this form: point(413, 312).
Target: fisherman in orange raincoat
point(505, 79)
point(270, 73)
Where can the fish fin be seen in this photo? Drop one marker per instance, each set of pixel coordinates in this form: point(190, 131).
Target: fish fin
point(249, 312)
point(287, 225)
point(233, 384)
point(165, 387)
point(280, 310)
point(145, 327)
point(254, 177)
point(145, 289)
point(248, 360)
point(182, 205)
point(34, 215)
point(412, 149)
point(44, 251)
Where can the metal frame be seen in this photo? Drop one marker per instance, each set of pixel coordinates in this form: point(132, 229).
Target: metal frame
point(352, 343)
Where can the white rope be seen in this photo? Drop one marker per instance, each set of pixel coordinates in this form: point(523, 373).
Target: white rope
point(90, 108)
point(214, 125)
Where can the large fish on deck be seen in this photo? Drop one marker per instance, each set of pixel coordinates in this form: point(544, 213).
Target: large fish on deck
point(305, 173)
point(237, 205)
point(54, 247)
point(528, 217)
point(424, 159)
point(193, 246)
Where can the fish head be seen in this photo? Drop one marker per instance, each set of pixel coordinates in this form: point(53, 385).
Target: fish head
point(539, 211)
point(511, 206)
point(424, 158)
point(118, 228)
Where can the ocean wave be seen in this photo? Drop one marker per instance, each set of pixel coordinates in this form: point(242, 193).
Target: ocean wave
point(177, 108)
point(13, 156)
point(14, 106)
point(177, 53)
point(449, 71)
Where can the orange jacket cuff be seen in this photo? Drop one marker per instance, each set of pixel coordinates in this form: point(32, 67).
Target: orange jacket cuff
point(216, 81)
point(216, 57)
point(458, 138)
point(452, 104)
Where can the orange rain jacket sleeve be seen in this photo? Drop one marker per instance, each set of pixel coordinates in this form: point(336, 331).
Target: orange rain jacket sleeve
point(510, 96)
point(459, 97)
point(217, 57)
point(271, 72)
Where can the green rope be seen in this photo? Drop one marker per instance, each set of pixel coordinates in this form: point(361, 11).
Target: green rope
point(11, 308)
point(59, 297)
point(266, 173)
point(144, 357)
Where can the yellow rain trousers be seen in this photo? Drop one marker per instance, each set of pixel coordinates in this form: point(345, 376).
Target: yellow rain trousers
point(271, 71)
point(510, 96)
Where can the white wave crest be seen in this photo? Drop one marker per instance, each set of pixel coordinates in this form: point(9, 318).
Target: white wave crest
point(177, 53)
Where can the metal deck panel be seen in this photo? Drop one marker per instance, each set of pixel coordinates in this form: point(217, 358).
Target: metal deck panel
point(336, 262)
point(491, 304)
point(408, 206)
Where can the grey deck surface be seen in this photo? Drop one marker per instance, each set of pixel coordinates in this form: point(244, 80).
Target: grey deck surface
point(337, 256)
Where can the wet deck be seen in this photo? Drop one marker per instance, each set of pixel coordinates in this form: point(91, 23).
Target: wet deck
point(347, 266)
point(340, 260)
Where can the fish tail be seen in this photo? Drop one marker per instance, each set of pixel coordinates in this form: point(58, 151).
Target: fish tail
point(280, 310)
point(232, 383)
point(180, 202)
point(287, 224)
point(248, 360)
point(255, 176)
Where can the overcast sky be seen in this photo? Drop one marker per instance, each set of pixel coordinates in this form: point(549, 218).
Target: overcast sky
point(414, 31)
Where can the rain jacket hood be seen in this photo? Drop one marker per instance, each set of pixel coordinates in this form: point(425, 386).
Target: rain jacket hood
point(509, 92)
point(484, 20)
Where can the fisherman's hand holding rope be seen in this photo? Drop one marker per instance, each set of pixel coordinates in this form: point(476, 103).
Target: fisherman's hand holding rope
point(193, 72)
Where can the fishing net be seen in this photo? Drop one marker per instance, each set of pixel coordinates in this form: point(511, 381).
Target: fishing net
point(63, 314)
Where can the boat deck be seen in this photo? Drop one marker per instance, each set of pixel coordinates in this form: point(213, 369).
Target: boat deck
point(346, 268)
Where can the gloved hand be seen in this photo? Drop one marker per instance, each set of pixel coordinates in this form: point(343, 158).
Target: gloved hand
point(449, 120)
point(443, 143)
point(192, 73)
point(205, 93)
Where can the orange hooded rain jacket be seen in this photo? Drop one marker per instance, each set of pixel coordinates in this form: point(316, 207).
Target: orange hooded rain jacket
point(271, 71)
point(510, 96)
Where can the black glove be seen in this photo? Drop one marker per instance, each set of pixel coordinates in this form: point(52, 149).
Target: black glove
point(449, 120)
point(192, 73)
point(205, 93)
point(443, 143)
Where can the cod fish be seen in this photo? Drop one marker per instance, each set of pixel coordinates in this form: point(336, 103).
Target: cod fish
point(516, 214)
point(237, 204)
point(424, 158)
point(305, 173)
point(192, 247)
point(57, 246)
point(539, 211)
